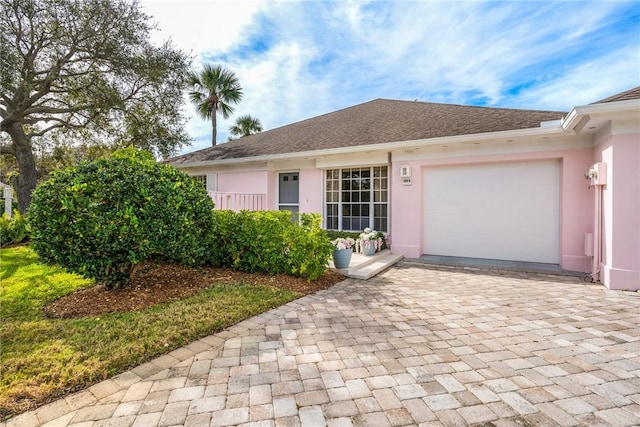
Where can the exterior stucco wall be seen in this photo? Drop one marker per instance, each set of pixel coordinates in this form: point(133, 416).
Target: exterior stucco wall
point(310, 185)
point(620, 267)
point(311, 191)
point(272, 190)
point(576, 204)
point(264, 180)
point(576, 210)
point(405, 209)
point(243, 182)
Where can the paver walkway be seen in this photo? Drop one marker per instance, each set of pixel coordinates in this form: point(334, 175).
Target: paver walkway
point(412, 346)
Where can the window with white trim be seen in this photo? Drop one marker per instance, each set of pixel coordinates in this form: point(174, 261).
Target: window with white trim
point(208, 181)
point(357, 198)
point(202, 179)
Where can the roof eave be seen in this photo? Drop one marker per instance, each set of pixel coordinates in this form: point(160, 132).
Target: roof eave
point(386, 146)
point(578, 113)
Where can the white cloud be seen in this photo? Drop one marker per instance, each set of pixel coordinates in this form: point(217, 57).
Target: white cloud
point(299, 59)
point(587, 82)
point(201, 25)
point(276, 87)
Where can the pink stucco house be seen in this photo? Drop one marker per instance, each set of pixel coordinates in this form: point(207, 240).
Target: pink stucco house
point(453, 180)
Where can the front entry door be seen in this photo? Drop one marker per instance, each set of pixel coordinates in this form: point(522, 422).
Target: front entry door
point(288, 192)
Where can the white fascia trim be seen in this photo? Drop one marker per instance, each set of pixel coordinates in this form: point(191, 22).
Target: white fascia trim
point(576, 114)
point(572, 119)
point(387, 146)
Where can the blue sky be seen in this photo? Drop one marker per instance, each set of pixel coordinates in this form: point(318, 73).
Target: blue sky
point(299, 59)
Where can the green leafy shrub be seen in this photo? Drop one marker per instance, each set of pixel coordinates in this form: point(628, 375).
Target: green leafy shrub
point(13, 230)
point(101, 219)
point(309, 247)
point(267, 241)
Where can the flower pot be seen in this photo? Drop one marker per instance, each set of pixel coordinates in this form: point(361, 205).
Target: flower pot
point(342, 257)
point(369, 248)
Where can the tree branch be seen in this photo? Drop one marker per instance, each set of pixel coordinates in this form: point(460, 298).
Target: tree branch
point(52, 110)
point(60, 125)
point(7, 149)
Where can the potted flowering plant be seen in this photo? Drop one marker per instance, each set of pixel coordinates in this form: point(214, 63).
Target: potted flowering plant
point(369, 241)
point(342, 250)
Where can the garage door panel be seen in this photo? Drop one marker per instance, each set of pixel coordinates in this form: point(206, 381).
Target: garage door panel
point(479, 246)
point(448, 220)
point(498, 211)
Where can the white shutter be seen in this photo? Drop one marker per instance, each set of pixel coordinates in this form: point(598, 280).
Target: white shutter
point(212, 182)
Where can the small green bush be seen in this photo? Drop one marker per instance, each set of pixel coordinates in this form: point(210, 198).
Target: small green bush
point(309, 247)
point(13, 230)
point(101, 219)
point(267, 241)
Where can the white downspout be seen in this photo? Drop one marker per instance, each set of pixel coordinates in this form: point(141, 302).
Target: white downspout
point(597, 235)
point(597, 176)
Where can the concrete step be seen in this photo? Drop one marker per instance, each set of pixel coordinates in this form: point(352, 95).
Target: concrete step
point(364, 267)
point(371, 269)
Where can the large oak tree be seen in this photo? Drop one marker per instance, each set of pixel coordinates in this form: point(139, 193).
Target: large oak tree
point(86, 72)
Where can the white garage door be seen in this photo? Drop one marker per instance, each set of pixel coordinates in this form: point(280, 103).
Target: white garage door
point(506, 211)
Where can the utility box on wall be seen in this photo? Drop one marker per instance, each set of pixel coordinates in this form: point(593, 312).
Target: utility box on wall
point(597, 174)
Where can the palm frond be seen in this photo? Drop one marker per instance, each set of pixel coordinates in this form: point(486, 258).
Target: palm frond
point(245, 126)
point(214, 89)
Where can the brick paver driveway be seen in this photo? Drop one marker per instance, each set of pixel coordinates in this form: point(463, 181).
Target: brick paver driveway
point(413, 346)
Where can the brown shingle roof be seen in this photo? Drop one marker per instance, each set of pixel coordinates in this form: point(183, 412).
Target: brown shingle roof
point(374, 122)
point(622, 96)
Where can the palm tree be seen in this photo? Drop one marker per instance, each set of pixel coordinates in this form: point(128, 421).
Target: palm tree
point(245, 126)
point(214, 89)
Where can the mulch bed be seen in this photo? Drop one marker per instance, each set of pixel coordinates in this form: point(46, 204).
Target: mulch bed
point(158, 283)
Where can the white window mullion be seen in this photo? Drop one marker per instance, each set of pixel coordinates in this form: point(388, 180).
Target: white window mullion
point(371, 195)
point(340, 199)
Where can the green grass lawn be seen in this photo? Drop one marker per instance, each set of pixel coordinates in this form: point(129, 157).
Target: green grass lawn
point(43, 358)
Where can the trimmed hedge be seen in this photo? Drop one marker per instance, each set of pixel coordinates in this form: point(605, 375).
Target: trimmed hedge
point(101, 219)
point(268, 241)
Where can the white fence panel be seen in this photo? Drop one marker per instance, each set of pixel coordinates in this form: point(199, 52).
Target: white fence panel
point(239, 201)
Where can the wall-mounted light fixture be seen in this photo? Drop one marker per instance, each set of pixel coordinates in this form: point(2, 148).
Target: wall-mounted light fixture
point(597, 174)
